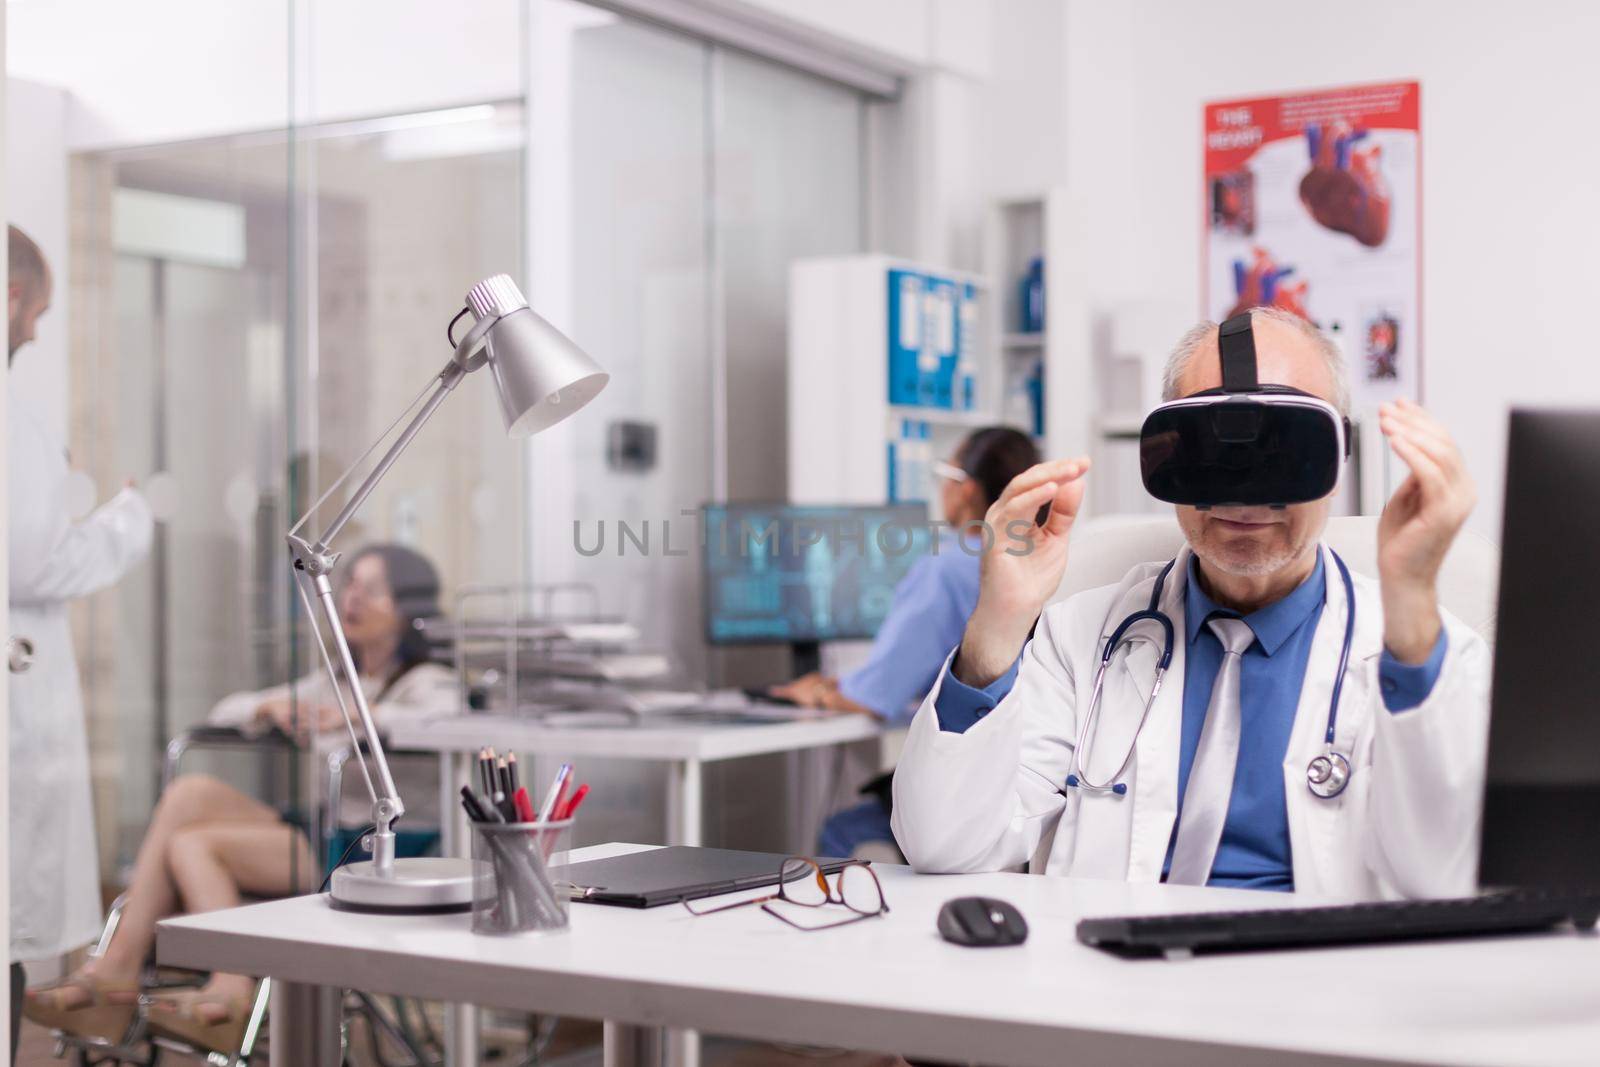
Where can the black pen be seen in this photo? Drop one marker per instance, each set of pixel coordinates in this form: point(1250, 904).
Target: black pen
point(496, 793)
point(514, 781)
point(469, 801)
point(486, 770)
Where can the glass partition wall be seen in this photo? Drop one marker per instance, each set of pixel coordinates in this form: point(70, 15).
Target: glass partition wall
point(253, 307)
point(236, 419)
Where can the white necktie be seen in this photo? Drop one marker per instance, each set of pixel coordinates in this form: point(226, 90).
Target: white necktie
point(1210, 786)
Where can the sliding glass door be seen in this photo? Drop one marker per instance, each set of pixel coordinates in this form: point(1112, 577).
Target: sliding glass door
point(254, 304)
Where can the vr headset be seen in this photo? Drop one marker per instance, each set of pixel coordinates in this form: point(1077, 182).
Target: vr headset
point(1245, 443)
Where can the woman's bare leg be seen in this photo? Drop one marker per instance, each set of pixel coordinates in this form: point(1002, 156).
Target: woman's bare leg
point(213, 863)
point(190, 800)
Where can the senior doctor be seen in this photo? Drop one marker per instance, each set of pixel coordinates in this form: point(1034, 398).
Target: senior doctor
point(1259, 611)
point(55, 883)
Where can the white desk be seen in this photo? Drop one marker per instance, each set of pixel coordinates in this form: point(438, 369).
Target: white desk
point(892, 984)
point(685, 746)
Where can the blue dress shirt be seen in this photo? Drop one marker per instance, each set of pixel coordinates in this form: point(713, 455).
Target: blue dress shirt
point(1254, 850)
point(930, 609)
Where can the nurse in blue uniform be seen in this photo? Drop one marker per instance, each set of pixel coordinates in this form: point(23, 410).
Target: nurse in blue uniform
point(930, 609)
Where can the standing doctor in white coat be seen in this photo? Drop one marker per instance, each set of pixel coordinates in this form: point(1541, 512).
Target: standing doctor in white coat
point(55, 879)
point(982, 783)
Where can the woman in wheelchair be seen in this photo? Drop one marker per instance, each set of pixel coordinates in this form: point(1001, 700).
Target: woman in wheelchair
point(208, 843)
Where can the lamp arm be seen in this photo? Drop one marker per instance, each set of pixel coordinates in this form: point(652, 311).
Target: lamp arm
point(314, 562)
point(444, 383)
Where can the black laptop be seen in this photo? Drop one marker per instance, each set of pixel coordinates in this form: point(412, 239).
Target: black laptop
point(678, 872)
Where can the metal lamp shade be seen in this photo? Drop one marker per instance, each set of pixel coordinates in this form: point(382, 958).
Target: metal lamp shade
point(540, 375)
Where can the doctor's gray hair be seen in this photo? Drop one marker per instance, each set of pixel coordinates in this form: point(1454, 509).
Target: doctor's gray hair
point(1191, 342)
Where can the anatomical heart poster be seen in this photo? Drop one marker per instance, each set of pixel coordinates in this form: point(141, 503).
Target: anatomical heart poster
point(1313, 204)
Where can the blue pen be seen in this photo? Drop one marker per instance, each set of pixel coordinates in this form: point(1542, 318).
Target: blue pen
point(553, 797)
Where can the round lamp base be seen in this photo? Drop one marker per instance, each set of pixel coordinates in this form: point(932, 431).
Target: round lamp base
point(409, 886)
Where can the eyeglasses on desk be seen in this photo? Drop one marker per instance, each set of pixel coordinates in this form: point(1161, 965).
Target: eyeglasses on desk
point(801, 882)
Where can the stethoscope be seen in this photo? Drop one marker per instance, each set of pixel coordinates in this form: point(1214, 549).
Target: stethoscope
point(1326, 775)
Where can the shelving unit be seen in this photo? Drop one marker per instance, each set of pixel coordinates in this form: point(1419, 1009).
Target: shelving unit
point(1101, 358)
point(846, 314)
point(1017, 236)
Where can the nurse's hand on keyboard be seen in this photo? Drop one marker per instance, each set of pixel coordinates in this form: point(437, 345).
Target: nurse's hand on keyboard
point(816, 690)
point(1026, 554)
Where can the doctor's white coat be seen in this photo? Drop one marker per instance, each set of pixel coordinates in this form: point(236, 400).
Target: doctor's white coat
point(55, 880)
point(995, 796)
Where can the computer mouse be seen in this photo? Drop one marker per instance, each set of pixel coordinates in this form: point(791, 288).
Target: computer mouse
point(981, 922)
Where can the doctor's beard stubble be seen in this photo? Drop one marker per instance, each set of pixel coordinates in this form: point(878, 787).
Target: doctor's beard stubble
point(1285, 536)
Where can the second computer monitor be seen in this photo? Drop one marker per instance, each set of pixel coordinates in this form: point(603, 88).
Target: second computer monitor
point(1541, 817)
point(790, 574)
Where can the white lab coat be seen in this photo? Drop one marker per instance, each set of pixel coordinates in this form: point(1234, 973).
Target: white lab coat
point(994, 796)
point(55, 878)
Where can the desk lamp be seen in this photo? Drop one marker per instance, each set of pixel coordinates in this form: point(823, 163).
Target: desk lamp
point(541, 378)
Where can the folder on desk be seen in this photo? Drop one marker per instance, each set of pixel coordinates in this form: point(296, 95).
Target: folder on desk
point(678, 872)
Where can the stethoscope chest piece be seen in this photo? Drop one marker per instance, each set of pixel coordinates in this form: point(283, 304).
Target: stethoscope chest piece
point(1328, 774)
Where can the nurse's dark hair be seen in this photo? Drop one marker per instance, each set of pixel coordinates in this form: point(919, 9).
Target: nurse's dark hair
point(993, 456)
point(414, 586)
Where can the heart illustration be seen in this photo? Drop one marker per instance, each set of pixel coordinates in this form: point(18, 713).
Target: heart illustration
point(1260, 283)
point(1345, 190)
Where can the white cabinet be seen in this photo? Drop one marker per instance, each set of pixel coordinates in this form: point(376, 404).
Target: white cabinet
point(891, 363)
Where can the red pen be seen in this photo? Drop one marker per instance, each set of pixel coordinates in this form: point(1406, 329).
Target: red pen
point(565, 810)
point(524, 804)
point(570, 808)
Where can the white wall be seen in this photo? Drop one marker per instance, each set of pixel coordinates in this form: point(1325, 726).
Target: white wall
point(1510, 218)
point(36, 200)
point(1020, 129)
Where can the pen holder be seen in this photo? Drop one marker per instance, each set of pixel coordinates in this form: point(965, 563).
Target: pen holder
point(513, 888)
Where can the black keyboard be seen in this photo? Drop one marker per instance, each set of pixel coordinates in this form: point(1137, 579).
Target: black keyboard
point(764, 696)
point(1402, 920)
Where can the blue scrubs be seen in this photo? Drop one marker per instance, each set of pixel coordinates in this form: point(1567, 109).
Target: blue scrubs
point(931, 606)
point(930, 609)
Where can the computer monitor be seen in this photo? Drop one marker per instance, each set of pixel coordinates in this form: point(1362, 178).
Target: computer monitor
point(1541, 819)
point(798, 575)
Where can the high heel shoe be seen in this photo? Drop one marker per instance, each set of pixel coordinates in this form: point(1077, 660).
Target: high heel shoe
point(176, 1015)
point(107, 1013)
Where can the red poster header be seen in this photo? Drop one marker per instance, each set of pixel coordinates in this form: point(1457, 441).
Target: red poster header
point(1235, 129)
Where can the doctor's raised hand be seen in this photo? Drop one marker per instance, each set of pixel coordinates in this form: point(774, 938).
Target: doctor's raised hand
point(1021, 567)
point(1417, 527)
